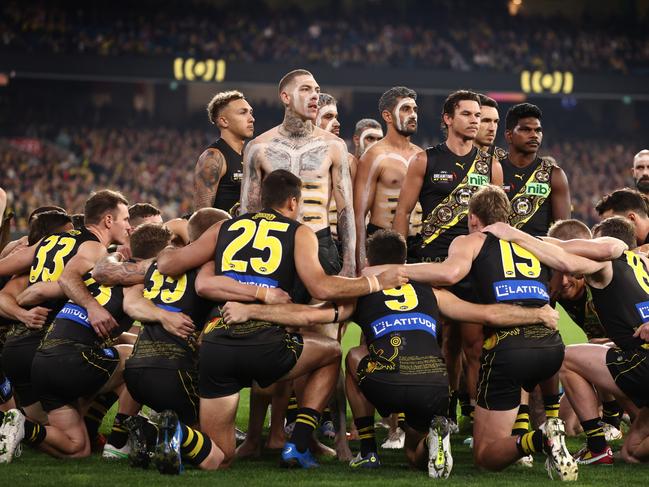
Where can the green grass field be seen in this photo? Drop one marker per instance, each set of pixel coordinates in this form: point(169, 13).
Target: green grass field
point(37, 469)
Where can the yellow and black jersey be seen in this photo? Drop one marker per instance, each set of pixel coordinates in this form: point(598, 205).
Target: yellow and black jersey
point(51, 256)
point(156, 347)
point(72, 326)
point(255, 249)
point(503, 272)
point(229, 190)
point(623, 305)
point(449, 183)
point(400, 326)
point(528, 189)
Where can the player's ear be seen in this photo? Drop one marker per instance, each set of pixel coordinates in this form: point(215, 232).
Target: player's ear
point(108, 220)
point(387, 116)
point(508, 136)
point(285, 98)
point(222, 122)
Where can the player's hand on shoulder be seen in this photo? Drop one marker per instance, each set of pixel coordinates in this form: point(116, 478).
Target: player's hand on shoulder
point(500, 230)
point(549, 317)
point(233, 312)
point(393, 276)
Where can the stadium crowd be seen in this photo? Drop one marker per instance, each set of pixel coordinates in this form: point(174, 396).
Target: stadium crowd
point(69, 162)
point(439, 39)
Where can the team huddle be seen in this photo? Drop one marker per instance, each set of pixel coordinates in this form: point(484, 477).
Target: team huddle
point(449, 259)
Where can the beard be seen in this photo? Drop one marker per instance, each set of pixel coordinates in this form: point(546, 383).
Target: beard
point(406, 132)
point(642, 185)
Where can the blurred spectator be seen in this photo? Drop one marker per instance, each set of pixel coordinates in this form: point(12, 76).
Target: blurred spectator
point(456, 35)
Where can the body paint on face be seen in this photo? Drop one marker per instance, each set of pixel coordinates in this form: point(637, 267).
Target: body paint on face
point(325, 110)
point(401, 125)
point(368, 133)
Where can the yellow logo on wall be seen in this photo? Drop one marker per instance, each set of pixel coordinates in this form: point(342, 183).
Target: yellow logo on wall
point(540, 82)
point(191, 70)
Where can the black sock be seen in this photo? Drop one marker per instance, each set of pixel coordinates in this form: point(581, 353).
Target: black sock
point(195, 446)
point(551, 404)
point(522, 424)
point(401, 420)
point(291, 410)
point(119, 434)
point(452, 407)
point(96, 412)
point(326, 415)
point(34, 433)
point(594, 434)
point(2, 416)
point(465, 403)
point(612, 413)
point(530, 442)
point(366, 434)
point(306, 421)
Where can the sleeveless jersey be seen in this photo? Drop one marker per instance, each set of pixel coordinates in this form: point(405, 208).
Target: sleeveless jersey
point(72, 327)
point(449, 183)
point(51, 256)
point(256, 249)
point(229, 191)
point(155, 346)
point(506, 273)
point(623, 305)
point(400, 327)
point(528, 189)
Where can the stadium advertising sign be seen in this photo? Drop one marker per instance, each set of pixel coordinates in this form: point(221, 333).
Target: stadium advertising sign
point(195, 70)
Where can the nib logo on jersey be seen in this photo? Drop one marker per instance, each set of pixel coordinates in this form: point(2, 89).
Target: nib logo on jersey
point(643, 309)
point(404, 322)
point(520, 290)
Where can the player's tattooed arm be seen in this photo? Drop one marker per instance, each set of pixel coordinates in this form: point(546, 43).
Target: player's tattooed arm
point(252, 175)
point(409, 194)
point(342, 192)
point(112, 271)
point(210, 168)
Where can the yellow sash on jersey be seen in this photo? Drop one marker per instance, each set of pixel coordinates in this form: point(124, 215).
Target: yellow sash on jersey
point(531, 195)
point(455, 206)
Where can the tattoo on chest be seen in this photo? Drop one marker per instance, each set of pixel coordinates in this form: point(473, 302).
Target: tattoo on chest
point(298, 156)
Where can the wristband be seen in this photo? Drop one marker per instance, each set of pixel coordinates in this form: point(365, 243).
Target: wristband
point(260, 294)
point(335, 312)
point(373, 283)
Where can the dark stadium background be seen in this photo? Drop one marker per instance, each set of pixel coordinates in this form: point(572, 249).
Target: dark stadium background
point(97, 94)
